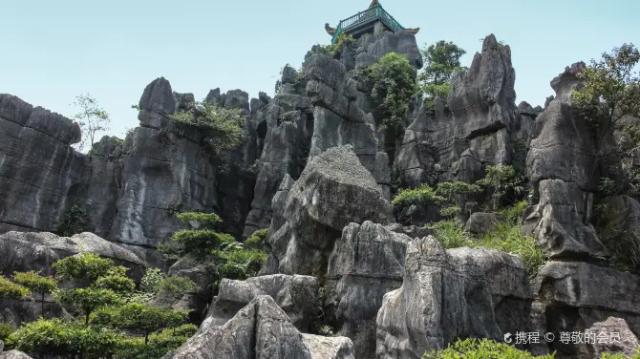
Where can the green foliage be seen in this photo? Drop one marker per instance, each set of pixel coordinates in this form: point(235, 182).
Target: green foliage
point(611, 88)
point(442, 59)
point(139, 318)
point(86, 300)
point(257, 240)
point(393, 83)
point(83, 267)
point(449, 190)
point(201, 242)
point(502, 181)
point(10, 290)
point(37, 284)
point(91, 118)
point(450, 212)
point(222, 125)
point(424, 194)
point(116, 280)
point(607, 186)
point(158, 345)
point(74, 220)
point(620, 355)
point(342, 41)
point(55, 337)
point(482, 349)
point(150, 282)
point(450, 234)
point(199, 219)
point(175, 286)
point(5, 330)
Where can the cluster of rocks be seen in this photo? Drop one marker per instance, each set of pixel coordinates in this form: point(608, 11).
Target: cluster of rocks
point(314, 168)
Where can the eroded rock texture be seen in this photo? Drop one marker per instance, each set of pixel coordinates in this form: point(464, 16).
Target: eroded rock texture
point(333, 190)
point(448, 294)
point(366, 263)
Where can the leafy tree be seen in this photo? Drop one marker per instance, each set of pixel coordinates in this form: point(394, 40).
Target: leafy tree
point(85, 267)
point(257, 239)
point(74, 220)
point(37, 284)
point(87, 300)
point(175, 286)
point(5, 331)
point(501, 181)
point(140, 318)
point(442, 59)
point(392, 80)
point(116, 280)
point(10, 290)
point(91, 118)
point(222, 125)
point(423, 194)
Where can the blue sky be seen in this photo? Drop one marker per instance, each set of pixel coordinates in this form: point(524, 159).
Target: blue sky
point(54, 50)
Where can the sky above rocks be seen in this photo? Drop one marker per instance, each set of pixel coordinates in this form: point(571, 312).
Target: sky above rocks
point(54, 50)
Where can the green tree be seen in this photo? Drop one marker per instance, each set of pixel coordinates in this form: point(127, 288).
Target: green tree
point(116, 280)
point(392, 80)
point(91, 118)
point(37, 284)
point(87, 300)
point(11, 290)
point(442, 59)
point(223, 126)
point(84, 267)
point(503, 182)
point(74, 220)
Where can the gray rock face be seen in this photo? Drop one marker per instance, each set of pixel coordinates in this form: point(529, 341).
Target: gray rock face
point(259, 330)
point(628, 344)
point(452, 294)
point(328, 347)
point(481, 223)
point(366, 263)
point(297, 295)
point(333, 191)
point(22, 251)
point(14, 354)
point(577, 294)
point(38, 167)
point(477, 126)
point(564, 174)
point(619, 229)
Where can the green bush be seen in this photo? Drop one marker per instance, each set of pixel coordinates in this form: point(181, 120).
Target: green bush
point(201, 242)
point(86, 300)
point(392, 80)
point(620, 355)
point(5, 330)
point(422, 195)
point(449, 190)
point(442, 59)
point(481, 349)
point(257, 240)
point(150, 282)
point(223, 125)
point(37, 284)
point(54, 337)
point(175, 286)
point(74, 220)
point(201, 218)
point(83, 267)
point(116, 280)
point(10, 290)
point(450, 234)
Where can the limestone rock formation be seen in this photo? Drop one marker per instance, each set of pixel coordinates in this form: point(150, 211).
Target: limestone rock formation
point(480, 223)
point(564, 175)
point(620, 338)
point(297, 295)
point(452, 294)
point(366, 263)
point(259, 330)
point(328, 347)
point(576, 295)
point(14, 354)
point(333, 190)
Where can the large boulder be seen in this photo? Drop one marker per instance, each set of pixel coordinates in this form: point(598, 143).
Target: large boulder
point(31, 251)
point(575, 295)
point(297, 295)
point(452, 294)
point(333, 190)
point(613, 336)
point(259, 330)
point(328, 347)
point(366, 263)
point(14, 354)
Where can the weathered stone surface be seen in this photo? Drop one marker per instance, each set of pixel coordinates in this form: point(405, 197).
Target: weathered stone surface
point(38, 168)
point(14, 354)
point(374, 46)
point(618, 226)
point(297, 295)
point(260, 330)
point(333, 191)
point(481, 223)
point(613, 328)
point(452, 294)
point(578, 294)
point(38, 251)
point(366, 263)
point(328, 347)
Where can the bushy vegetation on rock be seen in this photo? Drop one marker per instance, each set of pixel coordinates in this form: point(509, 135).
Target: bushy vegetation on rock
point(482, 349)
point(442, 59)
point(74, 220)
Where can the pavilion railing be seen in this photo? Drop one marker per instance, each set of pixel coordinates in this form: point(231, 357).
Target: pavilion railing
point(367, 16)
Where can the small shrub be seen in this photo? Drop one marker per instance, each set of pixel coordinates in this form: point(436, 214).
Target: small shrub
point(10, 290)
point(116, 280)
point(83, 267)
point(200, 219)
point(5, 330)
point(74, 220)
point(424, 194)
point(449, 190)
point(175, 286)
point(257, 239)
point(150, 282)
point(450, 234)
point(482, 349)
point(37, 284)
point(86, 300)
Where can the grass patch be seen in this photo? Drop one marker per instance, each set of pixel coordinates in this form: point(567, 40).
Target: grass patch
point(482, 349)
point(420, 195)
